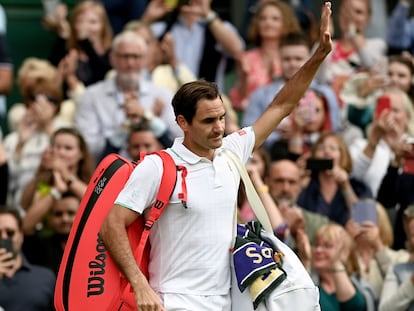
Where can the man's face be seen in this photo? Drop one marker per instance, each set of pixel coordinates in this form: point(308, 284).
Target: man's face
point(284, 181)
point(128, 59)
point(292, 58)
point(205, 133)
point(63, 214)
point(9, 229)
point(142, 141)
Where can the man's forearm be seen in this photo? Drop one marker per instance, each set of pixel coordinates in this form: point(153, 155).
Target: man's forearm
point(229, 40)
point(114, 236)
point(294, 89)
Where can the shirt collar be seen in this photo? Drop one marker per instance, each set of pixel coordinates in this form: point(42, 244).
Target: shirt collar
point(183, 152)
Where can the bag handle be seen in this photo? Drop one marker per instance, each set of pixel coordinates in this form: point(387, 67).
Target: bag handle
point(252, 196)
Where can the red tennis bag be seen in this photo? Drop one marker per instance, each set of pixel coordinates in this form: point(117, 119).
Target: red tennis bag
point(88, 278)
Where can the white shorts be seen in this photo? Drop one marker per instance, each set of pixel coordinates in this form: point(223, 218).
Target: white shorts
point(180, 302)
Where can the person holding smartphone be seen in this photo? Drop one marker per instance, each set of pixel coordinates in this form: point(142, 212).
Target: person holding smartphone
point(332, 192)
point(396, 189)
point(371, 229)
point(372, 155)
point(23, 286)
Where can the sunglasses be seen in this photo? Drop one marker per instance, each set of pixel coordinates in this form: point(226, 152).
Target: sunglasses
point(33, 98)
point(10, 233)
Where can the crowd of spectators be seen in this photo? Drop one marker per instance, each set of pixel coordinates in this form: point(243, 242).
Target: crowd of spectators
point(336, 177)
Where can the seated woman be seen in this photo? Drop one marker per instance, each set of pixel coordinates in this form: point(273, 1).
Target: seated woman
point(331, 192)
point(373, 239)
point(335, 270)
point(257, 66)
point(372, 155)
point(66, 167)
point(361, 91)
point(25, 145)
point(85, 44)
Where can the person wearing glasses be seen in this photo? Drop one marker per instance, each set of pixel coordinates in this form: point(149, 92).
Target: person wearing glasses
point(23, 286)
point(107, 110)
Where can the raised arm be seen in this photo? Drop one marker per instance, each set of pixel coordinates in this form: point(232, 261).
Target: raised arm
point(288, 97)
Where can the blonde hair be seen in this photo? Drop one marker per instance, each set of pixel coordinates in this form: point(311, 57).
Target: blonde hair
point(290, 21)
point(35, 71)
point(80, 8)
point(36, 68)
point(384, 224)
point(330, 232)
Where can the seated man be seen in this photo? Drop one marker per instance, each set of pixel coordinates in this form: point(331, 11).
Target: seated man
point(142, 139)
point(23, 286)
point(284, 181)
point(47, 249)
point(108, 108)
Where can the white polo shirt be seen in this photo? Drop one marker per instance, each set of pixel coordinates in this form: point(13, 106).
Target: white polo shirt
point(190, 246)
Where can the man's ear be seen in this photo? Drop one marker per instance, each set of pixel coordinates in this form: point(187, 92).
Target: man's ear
point(182, 122)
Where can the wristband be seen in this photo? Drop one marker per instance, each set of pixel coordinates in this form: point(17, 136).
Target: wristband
point(211, 16)
point(55, 194)
point(263, 189)
point(148, 115)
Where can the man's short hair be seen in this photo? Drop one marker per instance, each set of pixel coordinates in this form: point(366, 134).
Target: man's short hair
point(189, 94)
point(8, 210)
point(294, 39)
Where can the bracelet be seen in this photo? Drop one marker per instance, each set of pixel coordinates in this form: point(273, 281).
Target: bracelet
point(338, 270)
point(263, 189)
point(55, 194)
point(148, 115)
point(211, 16)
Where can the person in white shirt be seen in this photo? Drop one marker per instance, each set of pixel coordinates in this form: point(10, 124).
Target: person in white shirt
point(190, 266)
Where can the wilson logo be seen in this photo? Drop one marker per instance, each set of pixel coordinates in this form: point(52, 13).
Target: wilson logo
point(101, 184)
point(158, 204)
point(96, 281)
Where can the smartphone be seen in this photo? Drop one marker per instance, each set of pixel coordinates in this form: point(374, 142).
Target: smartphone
point(175, 3)
point(7, 244)
point(315, 164)
point(383, 103)
point(364, 210)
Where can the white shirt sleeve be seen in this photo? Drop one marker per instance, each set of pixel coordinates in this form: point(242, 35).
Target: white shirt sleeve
point(142, 186)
